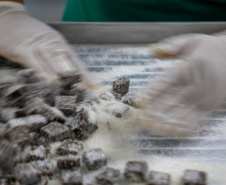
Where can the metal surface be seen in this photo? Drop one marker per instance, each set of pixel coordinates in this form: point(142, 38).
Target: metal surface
point(131, 33)
point(205, 150)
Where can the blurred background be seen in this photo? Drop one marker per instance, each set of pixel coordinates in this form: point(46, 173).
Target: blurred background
point(46, 10)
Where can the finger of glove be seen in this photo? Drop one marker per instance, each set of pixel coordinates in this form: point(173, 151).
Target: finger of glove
point(196, 88)
point(191, 84)
point(210, 89)
point(205, 73)
point(173, 47)
point(167, 127)
point(33, 61)
point(43, 59)
point(170, 103)
point(88, 82)
point(169, 116)
point(61, 50)
point(199, 88)
point(38, 51)
point(74, 60)
point(163, 88)
point(33, 57)
point(60, 57)
point(193, 81)
point(57, 58)
point(166, 110)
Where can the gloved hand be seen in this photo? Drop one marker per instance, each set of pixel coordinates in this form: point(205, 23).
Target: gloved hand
point(34, 44)
point(194, 88)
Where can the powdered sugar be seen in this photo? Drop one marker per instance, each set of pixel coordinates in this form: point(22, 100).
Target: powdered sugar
point(201, 152)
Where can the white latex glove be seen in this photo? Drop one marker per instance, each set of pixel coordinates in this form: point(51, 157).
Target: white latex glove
point(33, 44)
point(194, 88)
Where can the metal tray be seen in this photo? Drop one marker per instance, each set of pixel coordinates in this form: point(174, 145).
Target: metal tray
point(205, 150)
point(131, 33)
point(111, 50)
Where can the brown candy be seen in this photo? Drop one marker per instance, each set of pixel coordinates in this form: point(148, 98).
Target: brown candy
point(46, 167)
point(193, 177)
point(68, 78)
point(53, 114)
point(94, 159)
point(13, 102)
point(69, 146)
point(77, 129)
point(15, 91)
point(20, 113)
point(66, 104)
point(68, 162)
point(8, 179)
point(19, 135)
point(86, 118)
point(121, 86)
point(38, 106)
point(27, 76)
point(108, 176)
point(3, 129)
point(79, 92)
point(158, 178)
point(39, 153)
point(55, 131)
point(72, 178)
point(8, 153)
point(36, 89)
point(27, 174)
point(32, 122)
point(40, 139)
point(135, 171)
point(4, 86)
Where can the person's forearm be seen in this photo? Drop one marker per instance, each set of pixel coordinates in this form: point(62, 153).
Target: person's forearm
point(18, 1)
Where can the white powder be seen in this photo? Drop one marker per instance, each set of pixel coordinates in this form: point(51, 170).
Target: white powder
point(54, 182)
point(113, 132)
point(111, 129)
point(25, 152)
point(29, 121)
point(53, 148)
point(40, 151)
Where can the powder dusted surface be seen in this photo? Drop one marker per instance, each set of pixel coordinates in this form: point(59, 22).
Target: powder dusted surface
point(122, 139)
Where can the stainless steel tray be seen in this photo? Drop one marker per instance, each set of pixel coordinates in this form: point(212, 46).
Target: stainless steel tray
point(131, 33)
point(111, 50)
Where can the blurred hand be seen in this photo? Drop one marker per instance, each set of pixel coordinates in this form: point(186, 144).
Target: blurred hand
point(183, 96)
point(33, 44)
